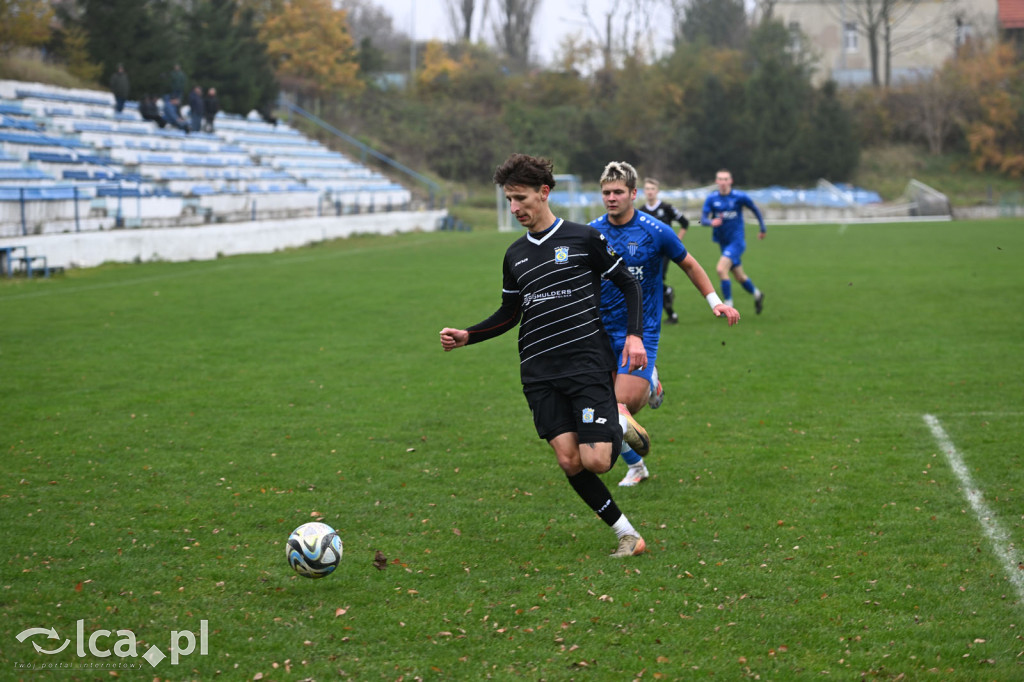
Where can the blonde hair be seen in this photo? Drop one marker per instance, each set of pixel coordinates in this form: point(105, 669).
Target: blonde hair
point(619, 170)
point(652, 181)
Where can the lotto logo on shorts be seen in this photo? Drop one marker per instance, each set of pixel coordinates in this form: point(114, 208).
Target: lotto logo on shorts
point(561, 254)
point(588, 415)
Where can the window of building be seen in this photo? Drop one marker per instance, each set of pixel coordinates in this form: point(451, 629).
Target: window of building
point(851, 37)
point(963, 32)
point(795, 42)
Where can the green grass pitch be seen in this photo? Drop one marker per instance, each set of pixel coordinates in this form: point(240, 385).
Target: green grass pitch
point(165, 426)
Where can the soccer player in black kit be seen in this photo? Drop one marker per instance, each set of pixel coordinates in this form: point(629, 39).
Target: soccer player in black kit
point(551, 288)
point(666, 213)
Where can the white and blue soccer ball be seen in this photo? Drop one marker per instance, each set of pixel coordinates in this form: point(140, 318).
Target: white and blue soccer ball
point(314, 550)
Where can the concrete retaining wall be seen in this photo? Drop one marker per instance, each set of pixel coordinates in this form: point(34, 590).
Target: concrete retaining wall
point(207, 242)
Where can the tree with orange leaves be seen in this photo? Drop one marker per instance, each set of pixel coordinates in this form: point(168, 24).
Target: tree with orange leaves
point(23, 23)
point(995, 122)
point(310, 45)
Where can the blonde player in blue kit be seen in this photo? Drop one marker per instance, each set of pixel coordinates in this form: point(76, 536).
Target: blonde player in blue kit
point(643, 242)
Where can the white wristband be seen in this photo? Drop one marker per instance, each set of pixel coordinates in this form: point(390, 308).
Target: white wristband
point(713, 300)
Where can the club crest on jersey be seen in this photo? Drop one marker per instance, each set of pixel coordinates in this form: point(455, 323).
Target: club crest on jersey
point(632, 247)
point(588, 415)
point(561, 254)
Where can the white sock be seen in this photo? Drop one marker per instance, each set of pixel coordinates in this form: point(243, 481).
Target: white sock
point(623, 423)
point(623, 527)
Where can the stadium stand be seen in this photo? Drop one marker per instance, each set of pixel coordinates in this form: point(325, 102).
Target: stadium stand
point(68, 163)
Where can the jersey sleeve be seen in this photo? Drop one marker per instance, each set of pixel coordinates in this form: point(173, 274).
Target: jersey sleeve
point(681, 219)
point(749, 203)
point(506, 316)
point(671, 246)
point(705, 212)
point(676, 215)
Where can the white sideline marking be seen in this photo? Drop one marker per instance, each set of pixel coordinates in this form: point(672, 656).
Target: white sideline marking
point(1000, 540)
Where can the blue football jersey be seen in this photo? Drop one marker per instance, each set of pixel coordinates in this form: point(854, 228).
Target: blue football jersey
point(729, 207)
point(643, 243)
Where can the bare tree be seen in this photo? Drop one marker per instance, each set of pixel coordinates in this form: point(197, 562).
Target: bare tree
point(372, 28)
point(941, 102)
point(368, 20)
point(513, 29)
point(624, 30)
point(766, 8)
point(602, 34)
point(460, 18)
point(868, 16)
point(881, 21)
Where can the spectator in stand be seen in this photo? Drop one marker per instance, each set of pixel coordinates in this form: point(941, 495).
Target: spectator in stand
point(177, 82)
point(121, 87)
point(173, 115)
point(150, 111)
point(195, 109)
point(210, 108)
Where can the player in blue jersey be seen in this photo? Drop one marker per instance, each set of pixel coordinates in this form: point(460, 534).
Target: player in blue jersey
point(666, 213)
point(643, 242)
point(723, 211)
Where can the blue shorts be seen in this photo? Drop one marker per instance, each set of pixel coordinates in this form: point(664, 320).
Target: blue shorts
point(733, 251)
point(652, 356)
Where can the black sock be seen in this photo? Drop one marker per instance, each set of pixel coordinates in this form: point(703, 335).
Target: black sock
point(595, 493)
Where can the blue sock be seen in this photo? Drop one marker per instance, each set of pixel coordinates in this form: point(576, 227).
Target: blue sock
point(629, 455)
point(749, 286)
point(726, 290)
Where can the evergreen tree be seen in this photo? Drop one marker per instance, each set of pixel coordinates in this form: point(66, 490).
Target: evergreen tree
point(718, 136)
point(717, 23)
point(595, 148)
point(212, 45)
point(778, 104)
point(256, 86)
point(225, 53)
point(830, 144)
point(137, 33)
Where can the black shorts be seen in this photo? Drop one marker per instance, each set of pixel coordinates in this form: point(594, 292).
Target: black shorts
point(583, 404)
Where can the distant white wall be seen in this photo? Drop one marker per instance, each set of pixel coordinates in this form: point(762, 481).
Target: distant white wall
point(207, 242)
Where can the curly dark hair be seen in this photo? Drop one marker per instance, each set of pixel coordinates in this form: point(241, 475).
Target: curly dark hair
point(525, 170)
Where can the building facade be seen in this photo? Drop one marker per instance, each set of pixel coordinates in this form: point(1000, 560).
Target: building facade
point(921, 35)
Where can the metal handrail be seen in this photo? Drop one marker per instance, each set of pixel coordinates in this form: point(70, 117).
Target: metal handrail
point(432, 186)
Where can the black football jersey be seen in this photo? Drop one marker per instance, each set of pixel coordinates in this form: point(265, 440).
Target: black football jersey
point(667, 213)
point(552, 283)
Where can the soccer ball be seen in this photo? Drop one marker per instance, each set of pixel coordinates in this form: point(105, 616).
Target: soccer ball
point(314, 550)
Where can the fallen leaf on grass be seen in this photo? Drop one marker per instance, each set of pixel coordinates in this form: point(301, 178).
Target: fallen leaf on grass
point(380, 562)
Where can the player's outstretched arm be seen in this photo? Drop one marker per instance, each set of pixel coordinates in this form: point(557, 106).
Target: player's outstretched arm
point(697, 275)
point(453, 338)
